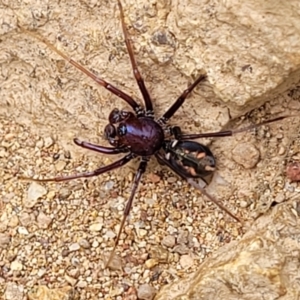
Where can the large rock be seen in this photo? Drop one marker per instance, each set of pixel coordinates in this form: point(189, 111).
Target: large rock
point(263, 265)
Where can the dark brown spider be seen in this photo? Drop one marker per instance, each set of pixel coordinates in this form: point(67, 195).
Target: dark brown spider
point(138, 134)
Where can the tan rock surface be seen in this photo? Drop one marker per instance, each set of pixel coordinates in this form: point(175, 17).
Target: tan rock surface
point(264, 264)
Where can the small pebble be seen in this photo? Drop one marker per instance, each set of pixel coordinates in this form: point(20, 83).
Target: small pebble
point(246, 154)
point(186, 261)
point(70, 280)
point(281, 150)
point(190, 220)
point(26, 219)
point(74, 273)
point(22, 230)
point(109, 185)
point(110, 234)
point(39, 144)
point(84, 243)
point(74, 247)
point(146, 274)
point(35, 191)
point(96, 227)
point(16, 266)
point(3, 153)
point(65, 252)
point(95, 244)
point(9, 136)
point(64, 193)
point(244, 204)
point(41, 272)
point(67, 154)
point(172, 179)
point(150, 263)
point(142, 233)
point(60, 165)
point(4, 240)
point(160, 254)
point(183, 237)
point(181, 249)
point(48, 142)
point(168, 241)
point(116, 262)
point(43, 220)
point(153, 178)
point(289, 187)
point(75, 261)
point(51, 195)
point(279, 198)
point(81, 284)
point(115, 292)
point(13, 222)
point(146, 292)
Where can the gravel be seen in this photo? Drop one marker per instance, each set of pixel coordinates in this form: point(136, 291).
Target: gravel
point(56, 237)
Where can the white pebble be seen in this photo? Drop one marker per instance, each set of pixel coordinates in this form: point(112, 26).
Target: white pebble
point(110, 234)
point(22, 230)
point(96, 227)
point(35, 192)
point(95, 244)
point(16, 266)
point(74, 247)
point(186, 261)
point(48, 142)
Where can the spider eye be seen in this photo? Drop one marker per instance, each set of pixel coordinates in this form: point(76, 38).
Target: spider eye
point(110, 132)
point(122, 130)
point(114, 116)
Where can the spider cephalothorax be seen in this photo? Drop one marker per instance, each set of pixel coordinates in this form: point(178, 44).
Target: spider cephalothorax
point(141, 135)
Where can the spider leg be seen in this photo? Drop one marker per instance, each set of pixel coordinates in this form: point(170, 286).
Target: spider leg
point(211, 198)
point(98, 148)
point(137, 178)
point(229, 132)
point(96, 172)
point(138, 77)
point(163, 161)
point(175, 106)
point(137, 108)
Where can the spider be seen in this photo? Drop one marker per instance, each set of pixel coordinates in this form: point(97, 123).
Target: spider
point(139, 134)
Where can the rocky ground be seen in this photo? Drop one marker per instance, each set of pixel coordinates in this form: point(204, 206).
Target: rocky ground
point(56, 237)
point(60, 234)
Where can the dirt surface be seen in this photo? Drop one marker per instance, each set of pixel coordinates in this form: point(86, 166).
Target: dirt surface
point(61, 235)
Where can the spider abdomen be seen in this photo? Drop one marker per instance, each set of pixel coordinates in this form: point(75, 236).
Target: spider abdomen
point(191, 159)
